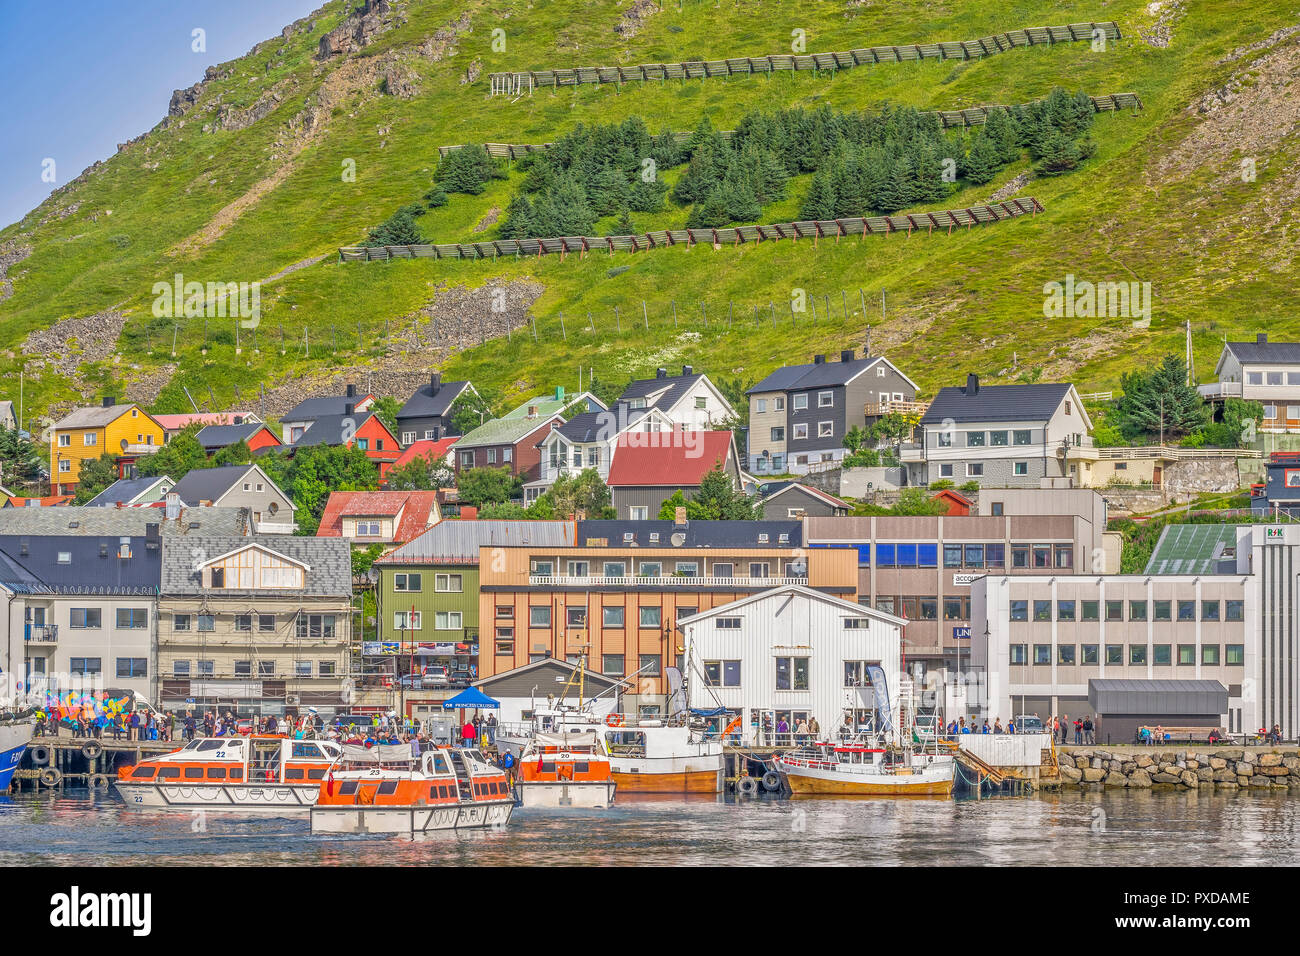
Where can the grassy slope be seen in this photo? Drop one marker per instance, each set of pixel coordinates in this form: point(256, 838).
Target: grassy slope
point(970, 301)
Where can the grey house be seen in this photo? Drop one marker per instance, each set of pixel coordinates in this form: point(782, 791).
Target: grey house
point(1002, 436)
point(791, 499)
point(240, 486)
point(799, 415)
point(299, 418)
point(426, 416)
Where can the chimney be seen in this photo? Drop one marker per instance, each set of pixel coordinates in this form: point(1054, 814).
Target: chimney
point(972, 384)
point(239, 419)
point(819, 359)
point(661, 373)
point(349, 408)
point(435, 383)
point(679, 517)
point(559, 393)
point(468, 513)
point(352, 391)
point(688, 370)
point(846, 355)
point(109, 401)
point(533, 411)
point(1261, 338)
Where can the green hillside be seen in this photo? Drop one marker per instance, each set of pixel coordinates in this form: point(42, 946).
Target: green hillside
point(255, 178)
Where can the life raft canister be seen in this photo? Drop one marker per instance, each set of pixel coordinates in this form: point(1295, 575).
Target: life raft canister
point(614, 720)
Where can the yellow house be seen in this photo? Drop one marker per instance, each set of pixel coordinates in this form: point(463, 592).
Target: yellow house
point(124, 431)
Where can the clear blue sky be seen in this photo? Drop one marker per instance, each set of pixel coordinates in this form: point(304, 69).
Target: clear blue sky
point(80, 76)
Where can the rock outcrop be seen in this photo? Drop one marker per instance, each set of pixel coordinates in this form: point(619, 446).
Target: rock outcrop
point(1225, 769)
point(357, 31)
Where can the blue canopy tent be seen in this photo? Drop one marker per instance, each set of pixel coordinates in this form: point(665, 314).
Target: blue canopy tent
point(471, 699)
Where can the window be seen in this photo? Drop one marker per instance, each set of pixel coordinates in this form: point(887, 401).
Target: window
point(997, 511)
point(207, 622)
point(952, 555)
point(1042, 555)
point(367, 529)
point(651, 616)
point(1019, 610)
point(218, 577)
point(1115, 654)
point(543, 568)
point(724, 569)
point(408, 438)
point(243, 668)
point(1065, 655)
point(1090, 611)
point(180, 622)
point(90, 438)
point(243, 622)
point(792, 673)
point(778, 403)
point(951, 610)
point(1160, 654)
point(447, 620)
point(448, 582)
point(1020, 468)
point(1163, 611)
point(406, 582)
point(639, 512)
point(575, 616)
point(778, 434)
point(1065, 610)
point(722, 673)
point(1209, 610)
point(1114, 610)
point(612, 664)
point(85, 666)
point(180, 668)
point(1210, 655)
point(492, 456)
point(825, 429)
point(800, 402)
point(1186, 655)
point(139, 666)
point(266, 668)
point(997, 438)
point(688, 569)
point(974, 555)
point(402, 621)
point(1088, 653)
point(266, 623)
point(1234, 611)
point(1042, 653)
point(1234, 653)
point(800, 430)
point(825, 399)
point(1020, 436)
point(650, 569)
point(944, 439)
point(1042, 610)
point(611, 616)
point(1137, 655)
point(302, 668)
point(539, 616)
point(322, 625)
point(1137, 610)
point(649, 665)
point(1020, 556)
point(85, 617)
point(65, 441)
point(1064, 556)
point(928, 608)
point(205, 668)
point(1019, 653)
point(1186, 610)
point(760, 405)
point(975, 439)
point(325, 668)
point(974, 469)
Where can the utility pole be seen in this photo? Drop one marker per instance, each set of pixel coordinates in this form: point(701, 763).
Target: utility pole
point(1189, 351)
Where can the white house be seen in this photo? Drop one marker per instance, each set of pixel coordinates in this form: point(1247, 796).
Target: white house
point(588, 441)
point(691, 401)
point(793, 653)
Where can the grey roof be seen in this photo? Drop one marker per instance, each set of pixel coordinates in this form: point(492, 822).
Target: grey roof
point(333, 429)
point(502, 431)
point(209, 484)
point(698, 534)
point(1280, 353)
point(834, 373)
point(126, 490)
point(425, 404)
point(781, 380)
point(997, 403)
point(458, 541)
point(1195, 549)
point(71, 520)
point(313, 408)
point(221, 436)
point(677, 385)
point(18, 579)
point(92, 416)
point(601, 425)
point(94, 565)
point(329, 562)
point(1157, 697)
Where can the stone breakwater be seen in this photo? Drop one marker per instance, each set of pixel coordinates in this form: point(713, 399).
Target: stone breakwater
point(1219, 768)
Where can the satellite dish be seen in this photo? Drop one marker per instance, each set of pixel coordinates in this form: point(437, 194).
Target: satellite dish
point(678, 539)
point(1060, 453)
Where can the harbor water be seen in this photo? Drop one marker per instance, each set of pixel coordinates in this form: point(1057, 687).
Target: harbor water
point(1113, 828)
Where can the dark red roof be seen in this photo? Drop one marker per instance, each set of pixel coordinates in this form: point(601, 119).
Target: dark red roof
point(425, 448)
point(676, 458)
point(415, 507)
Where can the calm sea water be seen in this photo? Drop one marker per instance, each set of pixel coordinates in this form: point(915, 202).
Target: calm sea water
point(1114, 829)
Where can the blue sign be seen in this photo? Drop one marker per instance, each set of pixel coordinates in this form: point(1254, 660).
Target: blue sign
point(961, 632)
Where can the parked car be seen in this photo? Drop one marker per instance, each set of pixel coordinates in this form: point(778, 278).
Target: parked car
point(1029, 724)
point(435, 675)
point(461, 677)
point(412, 682)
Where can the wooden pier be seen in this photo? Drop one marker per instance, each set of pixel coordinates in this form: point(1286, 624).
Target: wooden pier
point(52, 763)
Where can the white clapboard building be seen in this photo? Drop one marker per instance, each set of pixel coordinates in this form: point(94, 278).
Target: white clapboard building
point(792, 653)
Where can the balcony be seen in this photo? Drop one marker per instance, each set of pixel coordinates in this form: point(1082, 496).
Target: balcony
point(911, 452)
point(48, 634)
point(1217, 391)
point(667, 581)
point(889, 407)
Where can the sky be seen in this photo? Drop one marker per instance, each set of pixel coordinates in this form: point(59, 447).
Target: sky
point(81, 76)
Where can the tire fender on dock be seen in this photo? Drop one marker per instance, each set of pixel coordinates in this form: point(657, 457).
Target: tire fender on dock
point(748, 786)
point(772, 781)
point(92, 750)
point(50, 777)
point(40, 755)
point(99, 781)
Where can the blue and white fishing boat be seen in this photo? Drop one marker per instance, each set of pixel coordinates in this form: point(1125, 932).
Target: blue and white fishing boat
point(15, 732)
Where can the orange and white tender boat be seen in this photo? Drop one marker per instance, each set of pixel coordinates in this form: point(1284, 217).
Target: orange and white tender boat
point(387, 789)
point(231, 773)
point(565, 770)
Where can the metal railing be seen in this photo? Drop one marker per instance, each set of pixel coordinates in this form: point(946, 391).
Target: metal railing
point(877, 409)
point(48, 634)
point(664, 581)
point(1176, 453)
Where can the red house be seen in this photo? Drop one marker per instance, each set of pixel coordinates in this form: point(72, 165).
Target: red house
point(958, 504)
point(362, 429)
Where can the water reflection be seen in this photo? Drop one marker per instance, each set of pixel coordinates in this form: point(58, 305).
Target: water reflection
point(1118, 828)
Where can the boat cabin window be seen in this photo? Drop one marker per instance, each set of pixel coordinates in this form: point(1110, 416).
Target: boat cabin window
point(443, 791)
point(548, 767)
point(169, 772)
point(216, 773)
point(348, 787)
point(144, 773)
point(193, 773)
point(439, 763)
point(305, 751)
point(293, 773)
point(581, 767)
point(318, 774)
point(205, 745)
point(388, 787)
point(192, 745)
point(236, 773)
